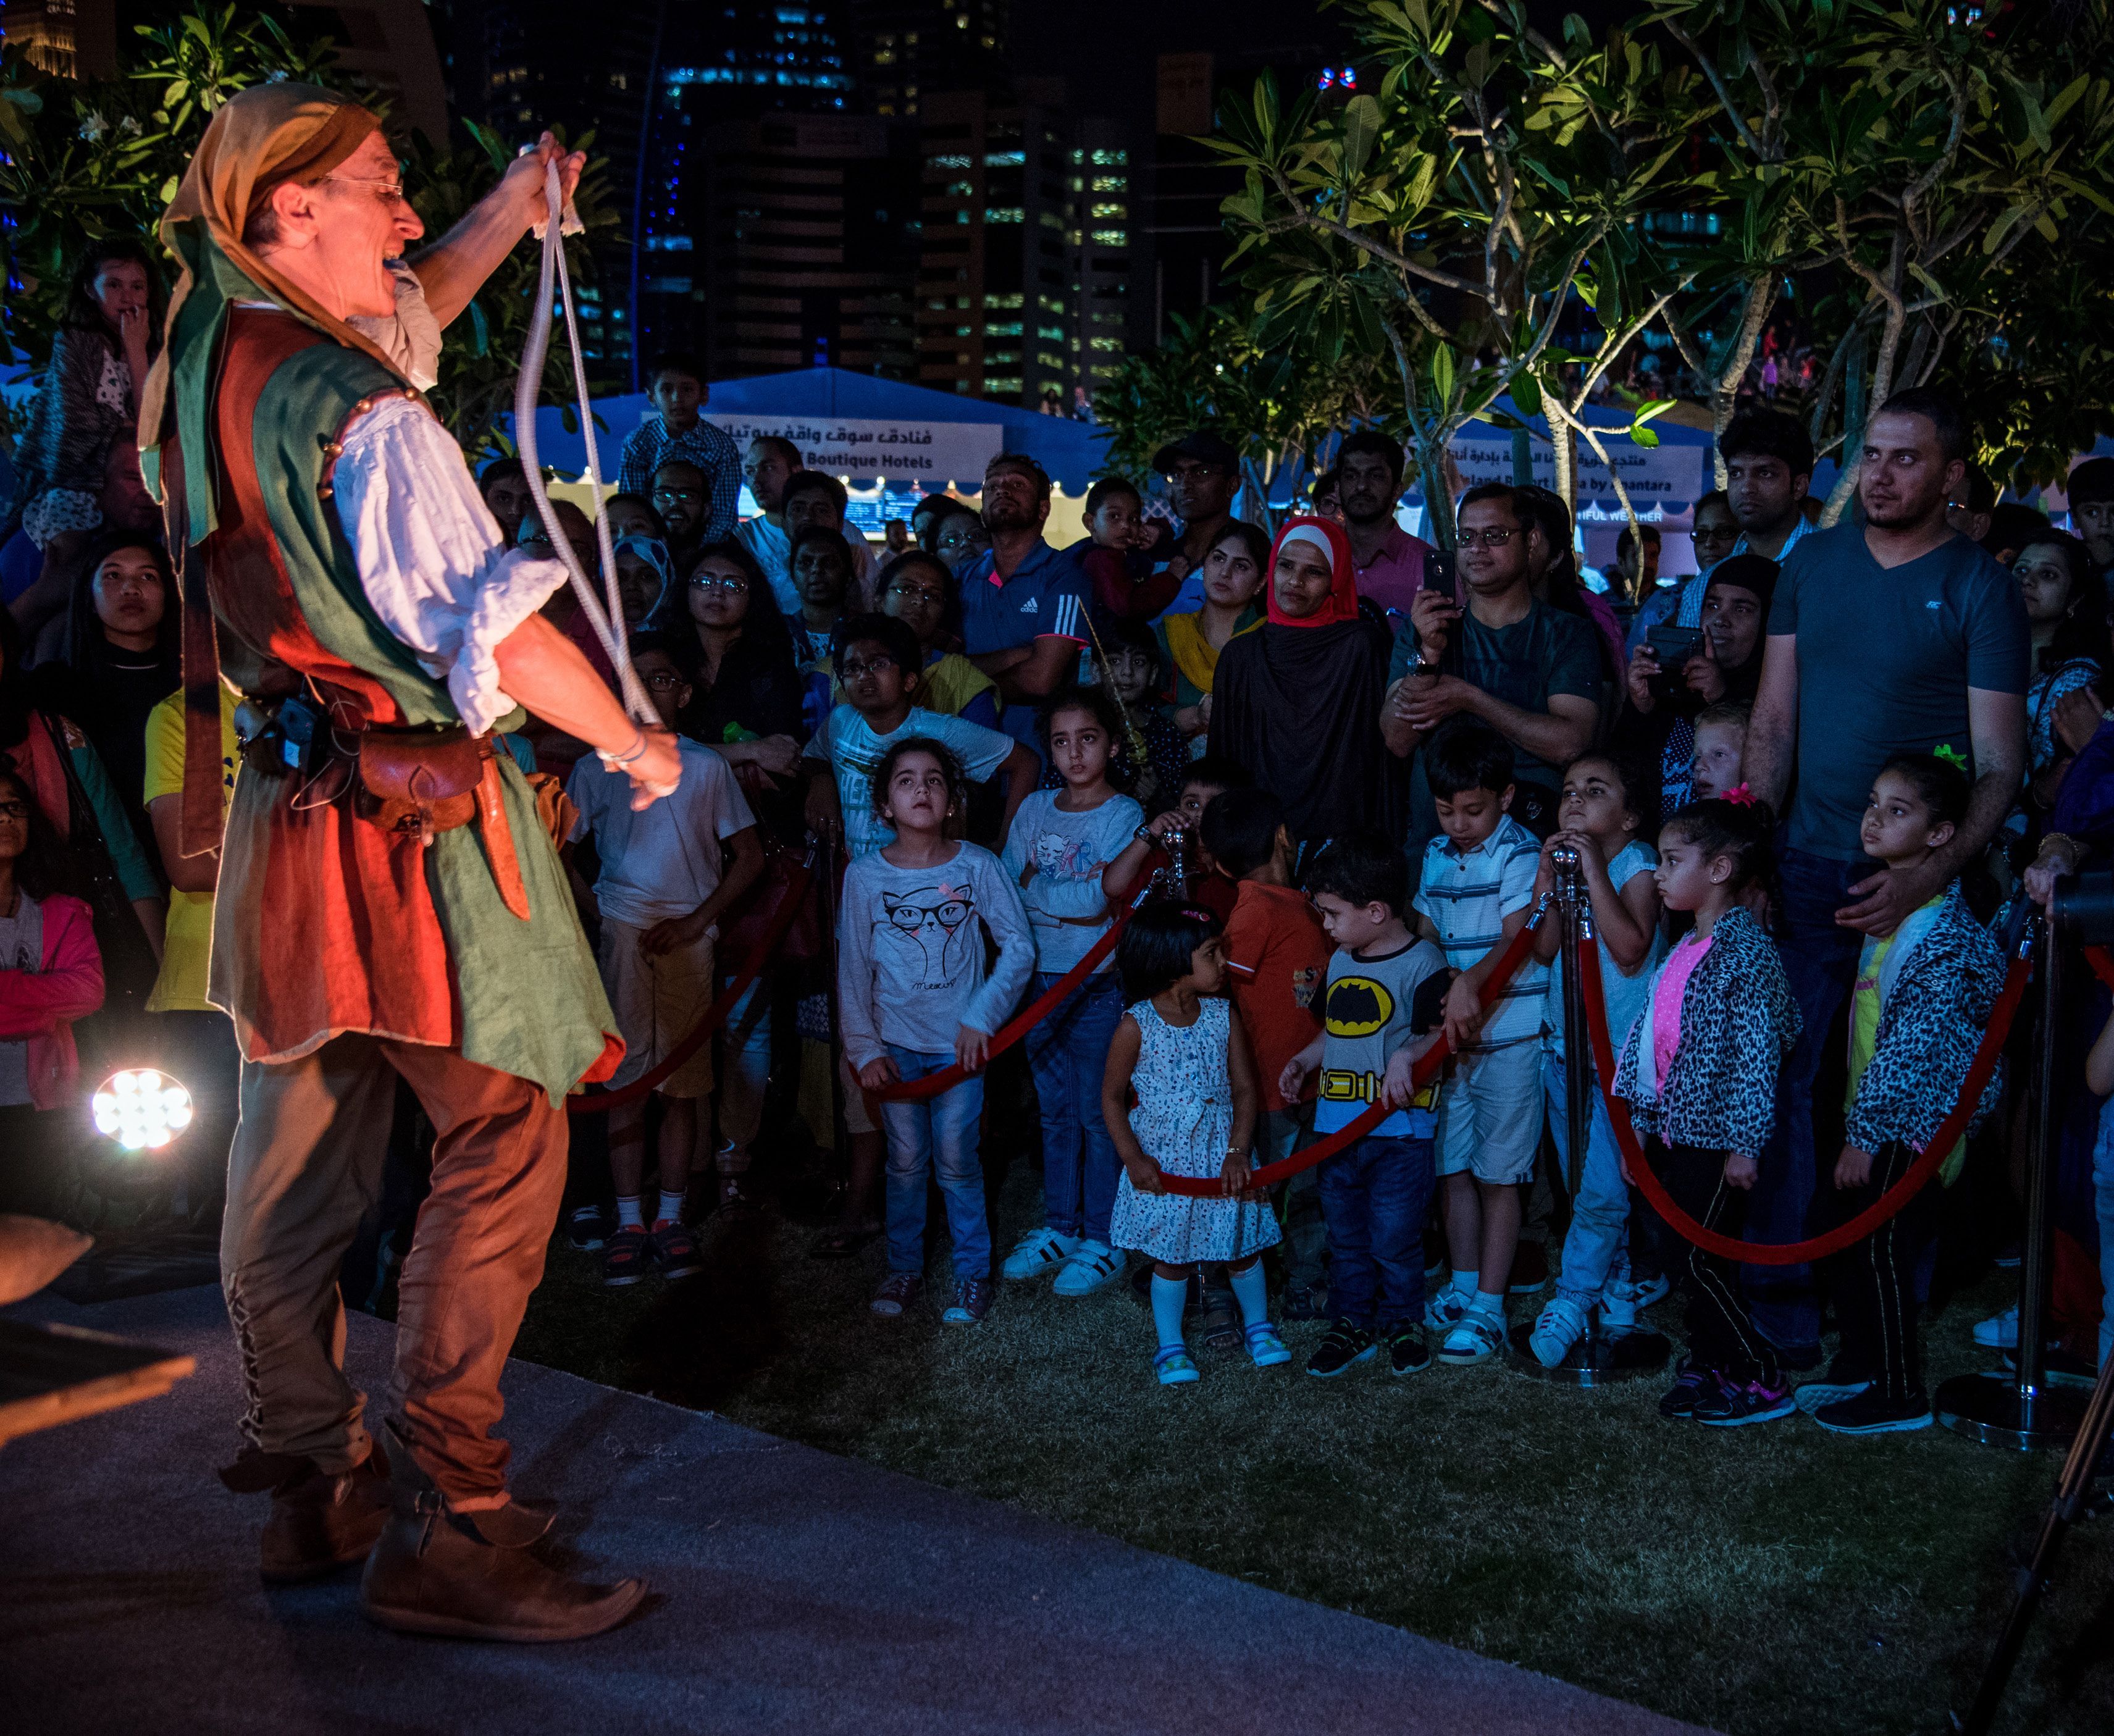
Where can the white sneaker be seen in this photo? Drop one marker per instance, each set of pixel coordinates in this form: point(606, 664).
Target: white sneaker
point(1476, 1336)
point(1443, 1311)
point(1999, 1331)
point(1618, 1308)
point(1562, 1325)
point(1039, 1254)
point(1652, 1290)
point(1092, 1264)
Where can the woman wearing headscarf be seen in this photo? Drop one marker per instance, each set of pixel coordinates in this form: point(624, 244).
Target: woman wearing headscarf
point(1658, 727)
point(1296, 701)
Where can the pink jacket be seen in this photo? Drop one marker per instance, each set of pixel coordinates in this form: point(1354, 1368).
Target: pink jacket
point(42, 1005)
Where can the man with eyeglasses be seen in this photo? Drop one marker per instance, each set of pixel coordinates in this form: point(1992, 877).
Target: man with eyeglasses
point(675, 430)
point(680, 494)
point(390, 906)
point(1531, 672)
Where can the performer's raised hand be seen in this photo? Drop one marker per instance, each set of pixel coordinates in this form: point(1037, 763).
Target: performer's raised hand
point(523, 181)
point(655, 769)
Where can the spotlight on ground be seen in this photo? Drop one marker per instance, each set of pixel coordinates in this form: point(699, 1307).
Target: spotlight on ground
point(141, 1109)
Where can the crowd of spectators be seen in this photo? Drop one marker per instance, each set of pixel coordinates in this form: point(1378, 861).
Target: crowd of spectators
point(1370, 754)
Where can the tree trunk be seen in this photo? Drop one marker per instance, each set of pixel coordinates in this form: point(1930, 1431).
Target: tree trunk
point(1725, 390)
point(1862, 395)
point(1565, 445)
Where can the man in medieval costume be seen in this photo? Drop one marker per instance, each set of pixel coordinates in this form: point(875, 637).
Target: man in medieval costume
point(390, 905)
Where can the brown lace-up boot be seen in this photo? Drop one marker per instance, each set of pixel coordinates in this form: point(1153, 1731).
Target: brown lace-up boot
point(473, 1575)
point(319, 1522)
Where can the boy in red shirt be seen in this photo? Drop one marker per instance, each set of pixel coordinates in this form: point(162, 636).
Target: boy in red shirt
point(1277, 962)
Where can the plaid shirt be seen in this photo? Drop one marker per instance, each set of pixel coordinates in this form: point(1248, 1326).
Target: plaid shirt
point(650, 445)
point(1468, 894)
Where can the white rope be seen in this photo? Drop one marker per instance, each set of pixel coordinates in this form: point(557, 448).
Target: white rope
point(601, 611)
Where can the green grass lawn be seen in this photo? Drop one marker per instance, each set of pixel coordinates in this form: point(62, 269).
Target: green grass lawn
point(1774, 1578)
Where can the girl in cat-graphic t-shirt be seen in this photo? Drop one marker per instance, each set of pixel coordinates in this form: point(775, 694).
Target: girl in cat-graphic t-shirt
point(914, 998)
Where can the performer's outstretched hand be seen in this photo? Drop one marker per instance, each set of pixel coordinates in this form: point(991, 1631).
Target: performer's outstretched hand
point(655, 771)
point(523, 181)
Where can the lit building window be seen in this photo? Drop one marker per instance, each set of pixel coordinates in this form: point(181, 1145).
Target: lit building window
point(1004, 215)
point(1110, 209)
point(1111, 183)
point(1109, 238)
point(1106, 159)
point(1004, 159)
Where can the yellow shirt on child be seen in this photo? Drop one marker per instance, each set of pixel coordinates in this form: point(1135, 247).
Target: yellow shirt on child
point(188, 940)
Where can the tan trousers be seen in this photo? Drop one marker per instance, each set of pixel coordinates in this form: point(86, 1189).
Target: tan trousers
point(305, 1166)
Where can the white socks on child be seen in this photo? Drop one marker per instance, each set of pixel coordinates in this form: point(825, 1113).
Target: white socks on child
point(1168, 1295)
point(671, 1207)
point(1252, 1291)
point(1487, 1303)
point(628, 1214)
point(1464, 1284)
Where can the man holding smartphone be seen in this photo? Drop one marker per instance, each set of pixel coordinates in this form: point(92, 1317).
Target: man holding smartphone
point(1490, 648)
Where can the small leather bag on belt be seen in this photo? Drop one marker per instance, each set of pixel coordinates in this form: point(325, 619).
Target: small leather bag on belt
point(421, 780)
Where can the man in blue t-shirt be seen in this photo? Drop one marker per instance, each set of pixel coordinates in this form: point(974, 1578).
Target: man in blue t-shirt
point(1897, 635)
point(1024, 602)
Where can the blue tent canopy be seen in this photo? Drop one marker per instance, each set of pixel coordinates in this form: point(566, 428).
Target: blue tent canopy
point(829, 398)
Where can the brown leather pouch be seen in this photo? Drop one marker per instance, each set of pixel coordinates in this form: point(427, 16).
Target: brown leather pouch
point(420, 780)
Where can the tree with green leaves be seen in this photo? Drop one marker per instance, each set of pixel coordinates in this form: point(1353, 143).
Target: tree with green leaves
point(1454, 217)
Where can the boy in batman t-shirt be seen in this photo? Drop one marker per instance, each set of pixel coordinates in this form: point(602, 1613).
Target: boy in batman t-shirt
point(1381, 1011)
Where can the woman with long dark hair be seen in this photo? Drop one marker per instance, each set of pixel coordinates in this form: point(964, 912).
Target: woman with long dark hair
point(2066, 602)
point(121, 658)
point(50, 975)
point(745, 703)
point(74, 793)
point(77, 465)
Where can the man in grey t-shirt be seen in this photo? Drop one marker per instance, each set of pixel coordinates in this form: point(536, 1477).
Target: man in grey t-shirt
point(1898, 635)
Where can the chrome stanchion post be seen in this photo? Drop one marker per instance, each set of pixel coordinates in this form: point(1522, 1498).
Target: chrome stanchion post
point(2022, 1411)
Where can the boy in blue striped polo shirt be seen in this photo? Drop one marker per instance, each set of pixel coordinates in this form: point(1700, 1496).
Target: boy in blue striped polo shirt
point(1477, 885)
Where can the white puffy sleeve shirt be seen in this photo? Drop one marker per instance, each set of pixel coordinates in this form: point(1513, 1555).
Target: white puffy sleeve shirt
point(429, 554)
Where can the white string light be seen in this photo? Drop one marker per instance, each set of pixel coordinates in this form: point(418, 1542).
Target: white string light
point(141, 1109)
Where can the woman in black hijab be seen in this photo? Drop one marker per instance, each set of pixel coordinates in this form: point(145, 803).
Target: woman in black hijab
point(1296, 701)
point(1658, 727)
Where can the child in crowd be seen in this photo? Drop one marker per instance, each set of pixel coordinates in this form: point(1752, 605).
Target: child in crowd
point(915, 998)
point(879, 664)
point(877, 659)
point(1923, 995)
point(1181, 1049)
point(1276, 958)
point(1698, 1071)
point(917, 589)
point(1134, 670)
point(1057, 851)
point(1721, 745)
point(1120, 579)
point(1384, 1001)
point(822, 576)
point(1477, 887)
point(1598, 817)
point(1202, 780)
point(660, 894)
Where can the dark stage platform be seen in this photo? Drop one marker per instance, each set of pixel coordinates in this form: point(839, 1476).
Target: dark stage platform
point(795, 1591)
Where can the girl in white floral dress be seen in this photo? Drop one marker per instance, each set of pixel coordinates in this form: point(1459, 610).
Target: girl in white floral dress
point(1185, 1056)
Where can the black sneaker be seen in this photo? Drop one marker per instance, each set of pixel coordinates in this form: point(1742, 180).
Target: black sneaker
point(1407, 1351)
point(1868, 1413)
point(584, 1229)
point(1341, 1346)
point(1692, 1383)
point(1221, 1324)
point(1735, 1404)
point(1303, 1302)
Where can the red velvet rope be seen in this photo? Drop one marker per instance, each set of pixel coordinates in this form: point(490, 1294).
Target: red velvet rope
point(792, 894)
point(1813, 1248)
point(1426, 1068)
point(911, 1091)
point(2102, 962)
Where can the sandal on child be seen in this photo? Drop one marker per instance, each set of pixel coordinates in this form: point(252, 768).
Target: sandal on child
point(1265, 1348)
point(1174, 1366)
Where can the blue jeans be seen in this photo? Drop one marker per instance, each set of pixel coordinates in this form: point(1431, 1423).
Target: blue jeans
point(1596, 1248)
point(1068, 1053)
point(1820, 959)
point(1377, 1194)
point(936, 1135)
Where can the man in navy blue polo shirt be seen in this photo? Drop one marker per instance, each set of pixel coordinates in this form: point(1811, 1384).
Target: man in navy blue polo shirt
point(1024, 602)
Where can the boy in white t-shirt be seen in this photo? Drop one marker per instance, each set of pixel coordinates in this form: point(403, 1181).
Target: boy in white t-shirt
point(664, 885)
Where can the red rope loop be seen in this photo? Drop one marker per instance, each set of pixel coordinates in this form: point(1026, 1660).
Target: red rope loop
point(1844, 1235)
point(1426, 1070)
point(912, 1090)
point(793, 893)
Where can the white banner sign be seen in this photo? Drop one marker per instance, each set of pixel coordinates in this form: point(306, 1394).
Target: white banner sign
point(935, 452)
point(1671, 473)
